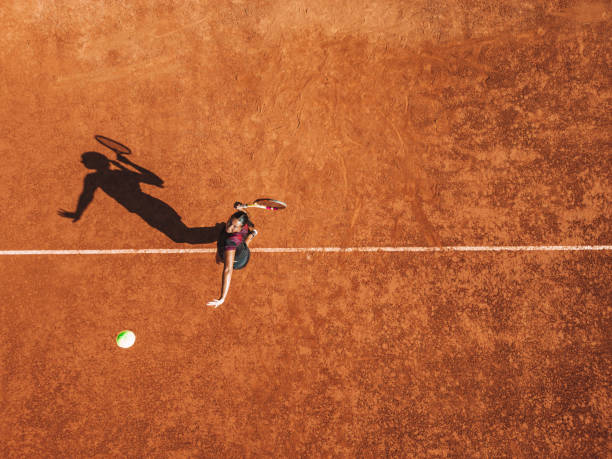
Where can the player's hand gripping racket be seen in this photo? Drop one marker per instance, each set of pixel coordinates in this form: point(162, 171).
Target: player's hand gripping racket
point(263, 203)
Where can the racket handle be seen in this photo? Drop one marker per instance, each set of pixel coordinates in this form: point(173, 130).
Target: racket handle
point(237, 203)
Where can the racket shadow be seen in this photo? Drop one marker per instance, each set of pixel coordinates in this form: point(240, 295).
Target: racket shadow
point(122, 183)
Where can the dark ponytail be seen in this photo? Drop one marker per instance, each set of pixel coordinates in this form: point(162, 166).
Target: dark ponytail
point(243, 218)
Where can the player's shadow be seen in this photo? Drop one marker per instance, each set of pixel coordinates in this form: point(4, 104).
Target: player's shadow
point(123, 185)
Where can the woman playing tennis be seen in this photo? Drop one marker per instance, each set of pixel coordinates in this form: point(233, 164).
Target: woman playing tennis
point(233, 243)
point(233, 250)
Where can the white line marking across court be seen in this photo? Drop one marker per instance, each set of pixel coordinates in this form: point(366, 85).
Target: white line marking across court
point(460, 248)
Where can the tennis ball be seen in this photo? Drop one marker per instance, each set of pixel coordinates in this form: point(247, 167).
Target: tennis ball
point(125, 339)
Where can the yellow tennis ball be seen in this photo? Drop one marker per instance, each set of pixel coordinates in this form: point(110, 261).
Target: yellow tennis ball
point(126, 339)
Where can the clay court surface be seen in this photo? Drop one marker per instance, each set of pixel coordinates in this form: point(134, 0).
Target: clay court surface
point(381, 124)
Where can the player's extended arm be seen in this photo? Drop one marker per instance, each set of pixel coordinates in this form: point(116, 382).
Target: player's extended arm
point(89, 187)
point(228, 269)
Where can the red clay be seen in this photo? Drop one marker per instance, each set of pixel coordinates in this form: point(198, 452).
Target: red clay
point(379, 123)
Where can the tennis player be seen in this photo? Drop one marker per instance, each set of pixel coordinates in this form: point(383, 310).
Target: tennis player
point(233, 250)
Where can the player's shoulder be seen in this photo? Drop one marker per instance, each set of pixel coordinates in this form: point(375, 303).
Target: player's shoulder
point(92, 178)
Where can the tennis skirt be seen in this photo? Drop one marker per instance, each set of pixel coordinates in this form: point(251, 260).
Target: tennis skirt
point(243, 255)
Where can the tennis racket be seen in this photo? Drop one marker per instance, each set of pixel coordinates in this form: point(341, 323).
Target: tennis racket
point(117, 147)
point(263, 203)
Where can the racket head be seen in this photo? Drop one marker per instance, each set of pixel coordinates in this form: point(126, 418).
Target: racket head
point(270, 204)
point(117, 147)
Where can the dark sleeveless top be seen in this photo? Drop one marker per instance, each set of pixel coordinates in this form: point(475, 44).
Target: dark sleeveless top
point(233, 241)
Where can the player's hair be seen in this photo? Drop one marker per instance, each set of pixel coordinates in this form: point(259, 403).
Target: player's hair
point(243, 218)
point(95, 160)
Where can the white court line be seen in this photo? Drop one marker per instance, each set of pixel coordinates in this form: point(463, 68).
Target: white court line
point(460, 248)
